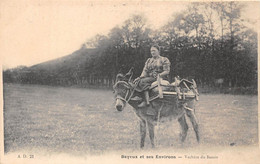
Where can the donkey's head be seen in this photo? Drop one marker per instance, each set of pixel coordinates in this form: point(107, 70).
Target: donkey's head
point(122, 89)
point(122, 92)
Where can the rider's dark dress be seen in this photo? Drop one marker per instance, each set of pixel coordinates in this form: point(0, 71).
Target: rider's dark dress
point(153, 66)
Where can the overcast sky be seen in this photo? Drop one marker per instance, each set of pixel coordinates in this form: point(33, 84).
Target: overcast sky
point(36, 31)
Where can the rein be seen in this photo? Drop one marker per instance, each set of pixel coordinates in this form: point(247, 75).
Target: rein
point(129, 90)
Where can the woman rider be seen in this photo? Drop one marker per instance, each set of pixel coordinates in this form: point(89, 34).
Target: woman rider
point(153, 66)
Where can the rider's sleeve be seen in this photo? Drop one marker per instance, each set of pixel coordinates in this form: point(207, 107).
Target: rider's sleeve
point(145, 70)
point(166, 64)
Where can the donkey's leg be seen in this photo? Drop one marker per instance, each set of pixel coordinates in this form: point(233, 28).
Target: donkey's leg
point(151, 132)
point(142, 132)
point(184, 127)
point(191, 115)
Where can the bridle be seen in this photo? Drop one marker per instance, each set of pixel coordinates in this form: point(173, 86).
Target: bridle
point(129, 93)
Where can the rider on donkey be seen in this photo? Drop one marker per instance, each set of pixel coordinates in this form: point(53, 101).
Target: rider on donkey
point(153, 66)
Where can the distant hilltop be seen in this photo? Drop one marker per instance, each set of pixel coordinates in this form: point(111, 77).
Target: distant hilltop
point(65, 71)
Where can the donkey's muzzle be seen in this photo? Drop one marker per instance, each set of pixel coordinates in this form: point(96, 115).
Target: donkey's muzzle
point(119, 107)
point(119, 104)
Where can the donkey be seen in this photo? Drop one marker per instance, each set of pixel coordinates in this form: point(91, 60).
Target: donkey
point(172, 108)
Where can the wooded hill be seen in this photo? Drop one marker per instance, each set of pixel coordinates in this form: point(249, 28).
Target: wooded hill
point(209, 42)
point(65, 71)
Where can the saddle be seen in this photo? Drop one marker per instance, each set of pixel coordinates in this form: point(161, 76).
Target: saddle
point(183, 90)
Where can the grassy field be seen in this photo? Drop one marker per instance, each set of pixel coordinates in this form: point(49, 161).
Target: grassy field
point(75, 121)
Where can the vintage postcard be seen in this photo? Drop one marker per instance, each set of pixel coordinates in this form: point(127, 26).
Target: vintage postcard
point(129, 81)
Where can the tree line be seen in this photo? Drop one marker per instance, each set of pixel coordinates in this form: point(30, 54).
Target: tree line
point(208, 42)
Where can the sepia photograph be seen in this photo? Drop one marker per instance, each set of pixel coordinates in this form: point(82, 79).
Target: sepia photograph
point(129, 81)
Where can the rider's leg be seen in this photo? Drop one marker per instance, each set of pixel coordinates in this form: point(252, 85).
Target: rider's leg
point(146, 100)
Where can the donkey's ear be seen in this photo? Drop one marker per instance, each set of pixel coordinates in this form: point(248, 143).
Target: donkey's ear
point(119, 77)
point(129, 74)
